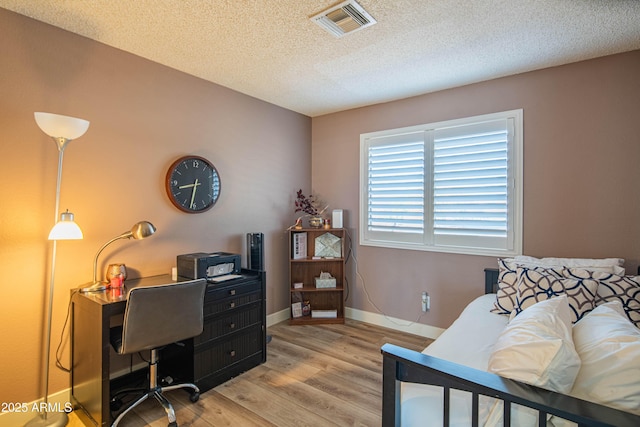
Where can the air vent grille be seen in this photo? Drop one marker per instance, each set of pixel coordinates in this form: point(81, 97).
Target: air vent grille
point(344, 18)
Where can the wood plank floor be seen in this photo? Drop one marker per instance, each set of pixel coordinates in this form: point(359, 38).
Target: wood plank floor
point(323, 375)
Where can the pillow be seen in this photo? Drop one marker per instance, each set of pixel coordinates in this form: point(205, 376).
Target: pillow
point(507, 289)
point(508, 284)
point(610, 265)
point(536, 347)
point(625, 289)
point(609, 346)
point(507, 274)
point(535, 286)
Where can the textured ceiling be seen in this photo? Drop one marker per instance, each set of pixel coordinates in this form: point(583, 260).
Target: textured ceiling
point(269, 49)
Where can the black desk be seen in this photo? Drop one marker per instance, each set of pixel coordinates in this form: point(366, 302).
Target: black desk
point(233, 340)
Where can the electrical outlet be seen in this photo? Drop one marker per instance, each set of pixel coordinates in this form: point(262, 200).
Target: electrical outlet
point(426, 301)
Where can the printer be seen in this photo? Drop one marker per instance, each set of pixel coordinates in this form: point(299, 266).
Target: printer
point(208, 265)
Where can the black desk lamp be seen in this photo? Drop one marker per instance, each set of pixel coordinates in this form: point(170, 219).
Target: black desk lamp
point(139, 231)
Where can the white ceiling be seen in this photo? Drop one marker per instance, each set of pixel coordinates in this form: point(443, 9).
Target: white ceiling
point(269, 49)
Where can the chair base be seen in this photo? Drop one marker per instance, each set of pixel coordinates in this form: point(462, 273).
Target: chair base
point(157, 394)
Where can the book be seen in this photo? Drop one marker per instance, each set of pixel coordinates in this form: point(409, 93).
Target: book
point(296, 309)
point(299, 248)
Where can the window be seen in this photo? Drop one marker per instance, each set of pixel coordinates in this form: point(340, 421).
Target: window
point(453, 186)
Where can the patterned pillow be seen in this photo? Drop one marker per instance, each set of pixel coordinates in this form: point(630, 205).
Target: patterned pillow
point(535, 286)
point(613, 287)
point(508, 284)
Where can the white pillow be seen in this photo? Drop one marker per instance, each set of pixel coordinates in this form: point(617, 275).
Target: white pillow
point(536, 347)
point(611, 265)
point(609, 346)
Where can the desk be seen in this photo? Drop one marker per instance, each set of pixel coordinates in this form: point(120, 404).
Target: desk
point(233, 340)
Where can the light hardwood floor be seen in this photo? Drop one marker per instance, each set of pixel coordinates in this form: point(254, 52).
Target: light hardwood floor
point(323, 375)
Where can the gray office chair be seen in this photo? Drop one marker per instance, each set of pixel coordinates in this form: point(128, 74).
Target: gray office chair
point(154, 317)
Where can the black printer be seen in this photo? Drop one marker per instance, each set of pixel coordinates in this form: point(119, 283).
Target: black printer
point(208, 265)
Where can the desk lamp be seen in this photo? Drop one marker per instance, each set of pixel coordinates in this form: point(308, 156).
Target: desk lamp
point(62, 129)
point(140, 230)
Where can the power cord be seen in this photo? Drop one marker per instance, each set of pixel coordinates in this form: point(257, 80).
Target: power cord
point(59, 364)
point(366, 292)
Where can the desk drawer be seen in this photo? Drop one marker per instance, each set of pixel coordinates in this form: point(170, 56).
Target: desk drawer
point(210, 360)
point(230, 322)
point(218, 292)
point(213, 307)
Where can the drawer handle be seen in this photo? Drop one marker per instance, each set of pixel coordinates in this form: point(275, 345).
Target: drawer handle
point(232, 292)
point(232, 353)
point(232, 304)
point(232, 325)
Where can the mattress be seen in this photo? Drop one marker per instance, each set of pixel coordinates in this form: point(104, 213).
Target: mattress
point(468, 341)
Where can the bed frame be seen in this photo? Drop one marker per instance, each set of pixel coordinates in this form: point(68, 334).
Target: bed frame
point(403, 365)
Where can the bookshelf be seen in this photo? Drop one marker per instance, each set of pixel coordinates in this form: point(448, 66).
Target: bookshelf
point(326, 304)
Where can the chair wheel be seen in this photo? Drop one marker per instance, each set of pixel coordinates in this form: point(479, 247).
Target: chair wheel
point(115, 405)
point(195, 396)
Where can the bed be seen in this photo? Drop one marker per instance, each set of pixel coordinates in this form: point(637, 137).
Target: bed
point(453, 381)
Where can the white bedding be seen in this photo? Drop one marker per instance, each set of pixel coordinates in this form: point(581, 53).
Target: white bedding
point(484, 340)
point(468, 341)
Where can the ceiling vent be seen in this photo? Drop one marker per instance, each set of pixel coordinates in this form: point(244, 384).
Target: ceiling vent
point(344, 18)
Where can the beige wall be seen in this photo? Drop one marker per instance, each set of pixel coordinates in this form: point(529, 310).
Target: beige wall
point(581, 177)
point(582, 148)
point(143, 116)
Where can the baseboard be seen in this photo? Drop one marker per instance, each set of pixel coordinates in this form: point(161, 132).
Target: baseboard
point(22, 412)
point(375, 319)
point(393, 323)
point(277, 317)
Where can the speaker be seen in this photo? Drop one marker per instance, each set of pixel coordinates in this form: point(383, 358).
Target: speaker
point(255, 251)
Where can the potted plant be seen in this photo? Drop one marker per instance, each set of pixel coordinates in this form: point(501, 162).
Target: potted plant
point(311, 207)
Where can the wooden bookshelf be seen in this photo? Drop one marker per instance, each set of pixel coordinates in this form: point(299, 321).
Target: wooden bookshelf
point(307, 268)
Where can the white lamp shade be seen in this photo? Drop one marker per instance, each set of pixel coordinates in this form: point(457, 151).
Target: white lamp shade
point(66, 228)
point(58, 126)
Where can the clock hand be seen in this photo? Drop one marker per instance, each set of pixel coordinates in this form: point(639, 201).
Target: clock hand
point(189, 185)
point(193, 193)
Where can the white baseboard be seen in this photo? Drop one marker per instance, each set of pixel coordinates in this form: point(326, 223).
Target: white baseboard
point(22, 412)
point(277, 317)
point(393, 323)
point(375, 319)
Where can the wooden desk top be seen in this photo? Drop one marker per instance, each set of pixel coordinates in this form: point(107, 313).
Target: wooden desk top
point(119, 295)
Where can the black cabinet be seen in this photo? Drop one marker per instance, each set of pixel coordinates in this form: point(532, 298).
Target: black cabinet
point(233, 339)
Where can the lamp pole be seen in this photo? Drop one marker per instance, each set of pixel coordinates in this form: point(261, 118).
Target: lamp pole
point(55, 125)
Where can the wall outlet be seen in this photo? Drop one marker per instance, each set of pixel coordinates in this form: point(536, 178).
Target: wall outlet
point(426, 301)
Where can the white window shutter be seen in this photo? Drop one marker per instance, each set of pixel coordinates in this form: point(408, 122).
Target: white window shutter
point(471, 185)
point(453, 186)
point(396, 188)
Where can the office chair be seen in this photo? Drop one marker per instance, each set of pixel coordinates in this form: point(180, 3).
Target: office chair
point(156, 316)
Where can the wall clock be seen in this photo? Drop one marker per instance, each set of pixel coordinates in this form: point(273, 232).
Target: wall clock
point(193, 184)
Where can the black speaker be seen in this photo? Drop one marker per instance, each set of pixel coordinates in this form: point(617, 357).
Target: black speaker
point(255, 251)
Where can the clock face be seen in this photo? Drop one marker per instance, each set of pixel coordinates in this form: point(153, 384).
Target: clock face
point(193, 184)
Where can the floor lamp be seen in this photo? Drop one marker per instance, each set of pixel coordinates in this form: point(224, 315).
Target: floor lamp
point(62, 129)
